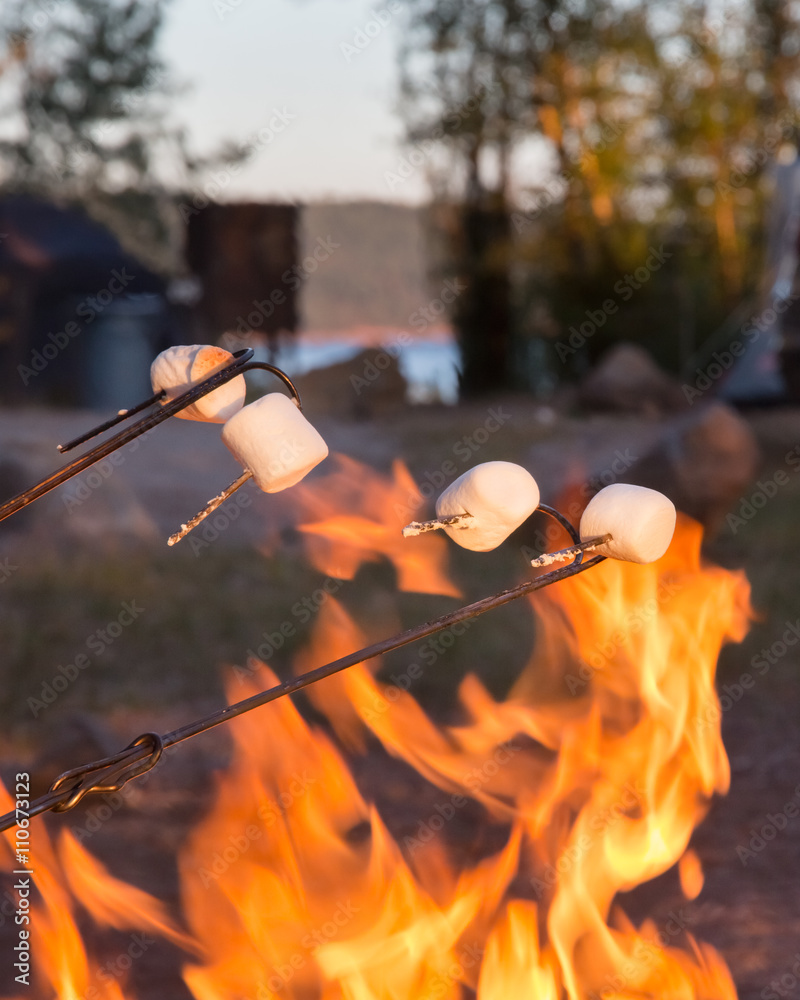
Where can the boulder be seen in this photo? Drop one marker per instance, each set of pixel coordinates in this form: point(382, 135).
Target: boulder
point(705, 462)
point(628, 380)
point(365, 386)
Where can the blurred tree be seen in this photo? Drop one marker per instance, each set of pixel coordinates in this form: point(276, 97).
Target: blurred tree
point(585, 213)
point(84, 115)
point(463, 80)
point(604, 131)
point(726, 115)
point(482, 81)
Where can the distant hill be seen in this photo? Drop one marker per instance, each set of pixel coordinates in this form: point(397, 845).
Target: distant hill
point(378, 276)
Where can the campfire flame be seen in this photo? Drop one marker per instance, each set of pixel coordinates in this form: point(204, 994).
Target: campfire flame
point(590, 778)
point(69, 879)
point(354, 515)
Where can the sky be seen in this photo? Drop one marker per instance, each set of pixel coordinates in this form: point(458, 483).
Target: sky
point(313, 83)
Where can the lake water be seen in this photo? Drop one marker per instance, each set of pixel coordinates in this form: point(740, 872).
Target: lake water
point(430, 367)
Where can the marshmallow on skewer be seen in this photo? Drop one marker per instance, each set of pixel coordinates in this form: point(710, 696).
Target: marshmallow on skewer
point(276, 445)
point(273, 440)
point(499, 496)
point(641, 522)
point(179, 368)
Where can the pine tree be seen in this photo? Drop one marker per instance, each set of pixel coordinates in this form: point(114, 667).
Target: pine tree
point(85, 116)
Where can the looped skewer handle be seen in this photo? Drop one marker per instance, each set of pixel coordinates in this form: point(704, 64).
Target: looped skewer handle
point(106, 775)
point(239, 366)
point(109, 774)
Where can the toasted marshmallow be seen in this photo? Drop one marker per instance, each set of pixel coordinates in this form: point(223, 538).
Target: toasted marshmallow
point(273, 440)
point(498, 495)
point(641, 522)
point(179, 368)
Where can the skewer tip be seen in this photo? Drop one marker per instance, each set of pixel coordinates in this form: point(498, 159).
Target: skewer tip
point(421, 527)
point(209, 508)
point(564, 555)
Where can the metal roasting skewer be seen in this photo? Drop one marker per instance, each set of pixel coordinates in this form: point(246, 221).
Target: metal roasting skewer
point(102, 428)
point(563, 555)
point(210, 507)
point(111, 773)
point(238, 366)
point(421, 527)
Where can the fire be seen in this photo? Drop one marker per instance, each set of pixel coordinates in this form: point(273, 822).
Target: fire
point(68, 880)
point(592, 774)
point(354, 515)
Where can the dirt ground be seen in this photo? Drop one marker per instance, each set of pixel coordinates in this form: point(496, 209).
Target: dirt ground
point(750, 905)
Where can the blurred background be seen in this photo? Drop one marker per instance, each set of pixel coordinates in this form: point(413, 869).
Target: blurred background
point(562, 233)
point(490, 178)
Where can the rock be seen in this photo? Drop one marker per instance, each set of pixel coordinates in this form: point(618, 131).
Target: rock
point(363, 387)
point(628, 380)
point(704, 463)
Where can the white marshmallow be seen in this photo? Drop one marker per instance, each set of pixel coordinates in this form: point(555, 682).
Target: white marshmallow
point(498, 495)
point(641, 522)
point(179, 368)
point(272, 439)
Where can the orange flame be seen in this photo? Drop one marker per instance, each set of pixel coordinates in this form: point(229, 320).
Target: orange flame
point(64, 875)
point(355, 515)
point(592, 774)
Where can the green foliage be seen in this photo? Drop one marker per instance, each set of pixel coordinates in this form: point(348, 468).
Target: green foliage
point(84, 114)
point(88, 79)
point(659, 122)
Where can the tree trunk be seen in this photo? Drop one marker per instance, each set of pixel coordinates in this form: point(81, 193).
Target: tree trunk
point(482, 315)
